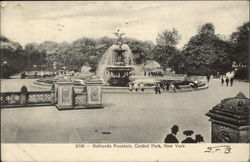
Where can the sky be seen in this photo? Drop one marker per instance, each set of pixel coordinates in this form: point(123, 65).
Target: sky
point(59, 21)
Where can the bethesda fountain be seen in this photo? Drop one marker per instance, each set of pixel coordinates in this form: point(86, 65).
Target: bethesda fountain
point(116, 68)
point(116, 65)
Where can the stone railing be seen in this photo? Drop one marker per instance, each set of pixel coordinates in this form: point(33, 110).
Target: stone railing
point(20, 99)
point(40, 98)
point(43, 97)
point(62, 94)
point(10, 98)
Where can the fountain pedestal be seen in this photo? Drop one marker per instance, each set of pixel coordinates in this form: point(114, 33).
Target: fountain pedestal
point(119, 72)
point(119, 75)
point(116, 66)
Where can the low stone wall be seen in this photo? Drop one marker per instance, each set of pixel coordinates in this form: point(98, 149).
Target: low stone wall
point(40, 98)
point(23, 99)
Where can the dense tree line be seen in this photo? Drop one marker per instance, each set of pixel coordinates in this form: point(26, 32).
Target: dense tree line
point(205, 53)
point(12, 57)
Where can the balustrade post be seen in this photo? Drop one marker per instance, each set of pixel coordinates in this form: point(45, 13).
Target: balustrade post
point(64, 95)
point(53, 100)
point(94, 94)
point(230, 120)
point(73, 97)
point(24, 96)
point(56, 93)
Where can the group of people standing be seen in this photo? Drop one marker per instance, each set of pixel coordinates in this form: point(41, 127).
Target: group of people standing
point(136, 87)
point(227, 80)
point(165, 86)
point(171, 138)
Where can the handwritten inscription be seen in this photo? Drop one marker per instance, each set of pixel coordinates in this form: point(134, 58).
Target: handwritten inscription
point(219, 149)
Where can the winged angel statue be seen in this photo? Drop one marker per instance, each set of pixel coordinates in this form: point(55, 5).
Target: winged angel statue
point(119, 37)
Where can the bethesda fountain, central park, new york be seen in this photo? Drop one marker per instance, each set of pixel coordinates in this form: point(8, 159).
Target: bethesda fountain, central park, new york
point(116, 65)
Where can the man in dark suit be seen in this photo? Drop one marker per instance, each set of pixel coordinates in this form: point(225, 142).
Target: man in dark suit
point(171, 138)
point(188, 139)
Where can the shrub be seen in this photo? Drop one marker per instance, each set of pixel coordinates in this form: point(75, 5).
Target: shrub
point(241, 73)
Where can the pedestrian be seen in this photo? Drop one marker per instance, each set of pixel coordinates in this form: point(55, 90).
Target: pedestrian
point(142, 87)
point(162, 86)
point(167, 86)
point(198, 138)
point(188, 139)
point(136, 86)
point(191, 84)
point(173, 88)
point(195, 83)
point(208, 78)
point(157, 89)
point(222, 81)
point(130, 87)
point(171, 138)
point(231, 81)
point(227, 81)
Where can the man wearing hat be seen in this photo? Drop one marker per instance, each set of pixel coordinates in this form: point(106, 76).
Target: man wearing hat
point(188, 139)
point(171, 138)
point(199, 138)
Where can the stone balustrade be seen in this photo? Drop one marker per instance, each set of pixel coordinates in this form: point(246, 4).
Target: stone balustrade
point(63, 95)
point(26, 98)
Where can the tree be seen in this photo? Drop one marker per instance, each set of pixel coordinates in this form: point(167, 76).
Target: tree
point(206, 53)
point(165, 49)
point(168, 38)
point(240, 50)
point(12, 57)
point(240, 44)
point(164, 54)
point(176, 62)
point(142, 51)
point(207, 28)
point(34, 55)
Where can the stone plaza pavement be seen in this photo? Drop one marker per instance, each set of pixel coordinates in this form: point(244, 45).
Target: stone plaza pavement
point(125, 118)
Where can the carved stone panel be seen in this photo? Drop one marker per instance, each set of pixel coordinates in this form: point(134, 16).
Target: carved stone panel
point(94, 94)
point(223, 134)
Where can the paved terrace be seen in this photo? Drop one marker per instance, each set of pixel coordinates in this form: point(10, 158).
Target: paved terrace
point(135, 118)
